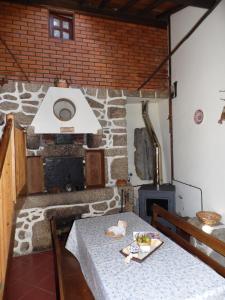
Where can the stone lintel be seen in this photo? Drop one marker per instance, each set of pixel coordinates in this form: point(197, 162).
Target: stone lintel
point(78, 197)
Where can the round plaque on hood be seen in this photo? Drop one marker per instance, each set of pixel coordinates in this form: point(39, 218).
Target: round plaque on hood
point(64, 109)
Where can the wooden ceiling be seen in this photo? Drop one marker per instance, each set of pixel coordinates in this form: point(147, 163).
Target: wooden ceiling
point(147, 12)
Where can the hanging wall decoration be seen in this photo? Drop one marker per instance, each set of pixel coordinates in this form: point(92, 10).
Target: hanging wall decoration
point(198, 116)
point(222, 116)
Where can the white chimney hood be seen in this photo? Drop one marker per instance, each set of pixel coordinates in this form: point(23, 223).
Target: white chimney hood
point(65, 110)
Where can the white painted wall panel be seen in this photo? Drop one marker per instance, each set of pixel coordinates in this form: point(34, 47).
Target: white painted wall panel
point(199, 68)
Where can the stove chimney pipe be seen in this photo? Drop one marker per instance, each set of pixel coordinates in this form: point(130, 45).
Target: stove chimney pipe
point(157, 180)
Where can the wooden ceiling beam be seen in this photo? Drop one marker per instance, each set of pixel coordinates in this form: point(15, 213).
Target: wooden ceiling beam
point(117, 16)
point(128, 5)
point(165, 15)
point(150, 7)
point(94, 11)
point(82, 2)
point(103, 4)
point(198, 3)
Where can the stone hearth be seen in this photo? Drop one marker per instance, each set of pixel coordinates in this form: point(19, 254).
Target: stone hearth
point(33, 227)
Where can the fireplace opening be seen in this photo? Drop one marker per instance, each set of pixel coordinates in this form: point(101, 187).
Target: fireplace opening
point(64, 174)
point(149, 204)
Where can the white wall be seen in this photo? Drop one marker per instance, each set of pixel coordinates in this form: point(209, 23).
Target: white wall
point(158, 113)
point(199, 68)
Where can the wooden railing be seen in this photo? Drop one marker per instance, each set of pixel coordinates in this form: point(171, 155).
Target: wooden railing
point(209, 240)
point(12, 184)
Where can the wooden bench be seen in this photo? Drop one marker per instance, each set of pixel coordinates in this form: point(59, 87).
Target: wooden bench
point(70, 282)
point(178, 222)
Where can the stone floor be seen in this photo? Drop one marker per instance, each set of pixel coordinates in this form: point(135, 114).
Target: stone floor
point(32, 277)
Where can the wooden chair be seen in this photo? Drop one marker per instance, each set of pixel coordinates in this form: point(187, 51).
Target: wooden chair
point(178, 222)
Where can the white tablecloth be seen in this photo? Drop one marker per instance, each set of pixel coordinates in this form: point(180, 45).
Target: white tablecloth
point(170, 273)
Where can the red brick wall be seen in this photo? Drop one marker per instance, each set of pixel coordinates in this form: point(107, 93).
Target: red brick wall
point(103, 53)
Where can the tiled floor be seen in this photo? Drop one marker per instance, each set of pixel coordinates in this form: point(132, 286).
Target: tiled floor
point(32, 277)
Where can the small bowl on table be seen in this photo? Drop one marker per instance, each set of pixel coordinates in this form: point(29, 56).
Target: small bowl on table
point(144, 243)
point(145, 247)
point(209, 217)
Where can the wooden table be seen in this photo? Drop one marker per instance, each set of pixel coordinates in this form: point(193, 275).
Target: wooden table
point(170, 273)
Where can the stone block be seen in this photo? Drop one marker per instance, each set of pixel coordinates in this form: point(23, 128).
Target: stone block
point(116, 152)
point(20, 87)
point(100, 206)
point(23, 119)
point(79, 139)
point(36, 103)
point(91, 92)
point(29, 109)
point(97, 113)
point(120, 140)
point(66, 211)
point(78, 197)
point(144, 155)
point(15, 244)
point(120, 123)
point(7, 106)
point(2, 118)
point(9, 87)
point(131, 93)
point(10, 97)
point(119, 130)
point(116, 113)
point(162, 94)
point(25, 96)
point(23, 215)
point(30, 130)
point(48, 139)
point(24, 247)
point(112, 211)
point(147, 94)
point(41, 95)
point(32, 87)
point(21, 234)
point(103, 123)
point(33, 141)
point(121, 102)
point(102, 94)
point(119, 168)
point(114, 93)
point(103, 143)
point(45, 87)
point(41, 239)
point(94, 140)
point(62, 150)
point(94, 104)
point(112, 203)
point(19, 224)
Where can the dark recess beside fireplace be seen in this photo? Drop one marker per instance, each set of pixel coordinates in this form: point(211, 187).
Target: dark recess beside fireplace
point(148, 195)
point(64, 174)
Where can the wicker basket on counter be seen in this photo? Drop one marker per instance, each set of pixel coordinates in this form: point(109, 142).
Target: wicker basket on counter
point(209, 217)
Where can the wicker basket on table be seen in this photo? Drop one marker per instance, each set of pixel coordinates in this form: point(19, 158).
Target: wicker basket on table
point(209, 217)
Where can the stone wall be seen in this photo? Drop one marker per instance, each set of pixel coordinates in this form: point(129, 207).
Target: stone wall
point(109, 106)
point(33, 226)
point(23, 100)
